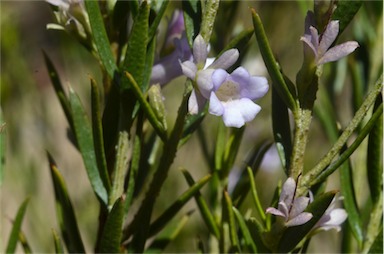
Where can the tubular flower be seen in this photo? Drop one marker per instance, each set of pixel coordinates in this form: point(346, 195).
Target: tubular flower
point(229, 95)
point(291, 208)
point(320, 45)
point(168, 67)
point(332, 218)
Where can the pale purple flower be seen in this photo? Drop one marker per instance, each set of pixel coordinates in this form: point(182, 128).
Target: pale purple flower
point(167, 68)
point(229, 95)
point(291, 208)
point(332, 218)
point(320, 44)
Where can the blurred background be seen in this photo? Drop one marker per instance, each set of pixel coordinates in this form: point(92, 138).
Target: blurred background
point(35, 123)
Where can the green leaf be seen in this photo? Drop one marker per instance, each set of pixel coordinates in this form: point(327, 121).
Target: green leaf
point(2, 145)
point(65, 213)
point(135, 57)
point(350, 203)
point(98, 136)
point(248, 241)
point(271, 64)
point(120, 170)
point(112, 232)
point(84, 137)
point(134, 167)
point(220, 146)
point(192, 19)
point(53, 75)
point(293, 235)
point(100, 37)
point(345, 11)
point(16, 228)
point(203, 207)
point(377, 246)
point(229, 217)
point(156, 21)
point(157, 125)
point(254, 160)
point(375, 155)
point(255, 196)
point(281, 129)
point(24, 242)
point(56, 239)
point(256, 230)
point(231, 150)
point(168, 235)
point(150, 58)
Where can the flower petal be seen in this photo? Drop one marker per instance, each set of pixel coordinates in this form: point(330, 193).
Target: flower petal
point(301, 219)
point(333, 220)
point(238, 112)
point(307, 40)
point(240, 76)
point(218, 78)
point(338, 52)
point(226, 60)
point(314, 38)
point(328, 37)
point(166, 69)
point(195, 103)
point(200, 50)
point(274, 211)
point(215, 106)
point(189, 69)
point(298, 206)
point(288, 191)
point(204, 82)
point(257, 88)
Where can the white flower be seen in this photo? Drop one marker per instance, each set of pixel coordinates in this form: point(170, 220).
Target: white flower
point(332, 218)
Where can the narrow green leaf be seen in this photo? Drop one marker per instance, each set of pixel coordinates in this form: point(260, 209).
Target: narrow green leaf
point(100, 37)
point(65, 213)
point(192, 19)
point(208, 20)
point(133, 169)
point(192, 123)
point(293, 235)
point(135, 57)
point(281, 129)
point(375, 226)
point(98, 136)
point(256, 231)
point(134, 7)
point(348, 152)
point(255, 196)
point(229, 217)
point(57, 241)
point(24, 243)
point(16, 228)
point(375, 155)
point(239, 42)
point(112, 232)
point(220, 146)
point(168, 235)
point(271, 64)
point(345, 11)
point(84, 138)
point(254, 160)
point(231, 150)
point(120, 170)
point(350, 203)
point(170, 212)
point(156, 21)
point(377, 246)
point(203, 207)
point(2, 145)
point(150, 58)
point(53, 75)
point(157, 125)
point(248, 241)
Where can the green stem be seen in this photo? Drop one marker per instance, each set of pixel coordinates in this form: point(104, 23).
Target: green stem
point(327, 159)
point(141, 222)
point(374, 225)
point(209, 19)
point(303, 118)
